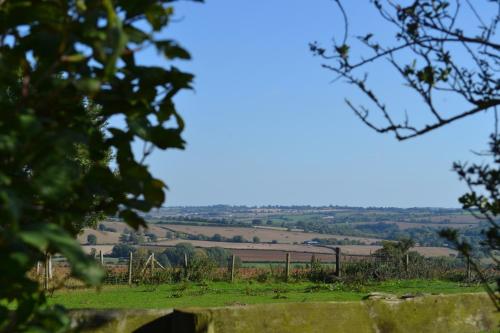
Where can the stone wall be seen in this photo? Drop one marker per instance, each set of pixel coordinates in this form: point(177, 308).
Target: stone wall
point(451, 313)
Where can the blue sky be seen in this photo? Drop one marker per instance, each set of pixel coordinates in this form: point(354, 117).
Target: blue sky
point(265, 125)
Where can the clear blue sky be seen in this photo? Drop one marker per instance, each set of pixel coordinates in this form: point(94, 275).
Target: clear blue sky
point(266, 126)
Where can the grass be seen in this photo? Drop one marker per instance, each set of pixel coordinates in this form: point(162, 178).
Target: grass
point(224, 293)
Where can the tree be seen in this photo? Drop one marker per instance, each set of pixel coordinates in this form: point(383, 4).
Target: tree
point(122, 250)
point(169, 235)
point(124, 238)
point(92, 239)
point(396, 250)
point(238, 239)
point(136, 237)
point(434, 57)
point(256, 239)
point(437, 57)
point(256, 222)
point(216, 238)
point(152, 237)
point(218, 255)
point(66, 68)
point(176, 254)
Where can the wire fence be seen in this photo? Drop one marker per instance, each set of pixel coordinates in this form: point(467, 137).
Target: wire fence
point(55, 272)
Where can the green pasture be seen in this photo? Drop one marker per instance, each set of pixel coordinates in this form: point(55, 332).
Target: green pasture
point(224, 293)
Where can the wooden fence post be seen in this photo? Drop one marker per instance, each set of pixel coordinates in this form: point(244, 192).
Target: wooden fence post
point(38, 268)
point(50, 266)
point(407, 263)
point(337, 261)
point(233, 259)
point(130, 268)
point(46, 273)
point(101, 258)
point(287, 267)
point(468, 270)
point(152, 264)
point(185, 264)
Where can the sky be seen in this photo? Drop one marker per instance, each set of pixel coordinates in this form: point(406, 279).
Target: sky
point(266, 125)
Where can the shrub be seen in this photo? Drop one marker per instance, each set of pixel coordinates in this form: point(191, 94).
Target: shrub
point(238, 239)
point(92, 239)
point(201, 268)
point(122, 250)
point(219, 255)
point(176, 254)
point(216, 238)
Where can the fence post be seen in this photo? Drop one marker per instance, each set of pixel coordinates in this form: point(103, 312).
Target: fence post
point(337, 261)
point(130, 268)
point(50, 266)
point(407, 263)
point(287, 267)
point(38, 268)
point(101, 258)
point(233, 257)
point(185, 264)
point(468, 270)
point(152, 264)
point(46, 273)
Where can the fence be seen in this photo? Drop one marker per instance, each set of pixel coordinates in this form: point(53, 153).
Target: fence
point(54, 272)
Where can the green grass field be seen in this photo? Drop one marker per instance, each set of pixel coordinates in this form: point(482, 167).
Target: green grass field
point(223, 293)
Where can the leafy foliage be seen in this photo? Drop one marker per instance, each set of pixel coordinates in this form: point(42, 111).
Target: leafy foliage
point(66, 69)
point(395, 250)
point(91, 239)
point(176, 254)
point(122, 250)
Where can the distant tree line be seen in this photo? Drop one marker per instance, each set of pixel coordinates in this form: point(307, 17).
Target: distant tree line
point(174, 256)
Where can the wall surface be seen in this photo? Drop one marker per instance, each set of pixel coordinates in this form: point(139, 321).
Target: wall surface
point(460, 313)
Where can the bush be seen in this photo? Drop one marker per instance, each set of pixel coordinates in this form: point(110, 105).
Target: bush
point(91, 239)
point(152, 237)
point(238, 239)
point(216, 238)
point(219, 255)
point(163, 259)
point(122, 250)
point(201, 268)
point(176, 254)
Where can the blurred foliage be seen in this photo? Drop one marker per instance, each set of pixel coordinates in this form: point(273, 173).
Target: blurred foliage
point(66, 69)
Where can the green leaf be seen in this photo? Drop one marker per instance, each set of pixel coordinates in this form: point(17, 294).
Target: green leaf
point(132, 219)
point(172, 50)
point(88, 85)
point(158, 16)
point(73, 57)
point(51, 237)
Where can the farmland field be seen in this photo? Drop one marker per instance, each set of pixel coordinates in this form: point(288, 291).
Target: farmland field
point(223, 293)
point(272, 252)
point(265, 235)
